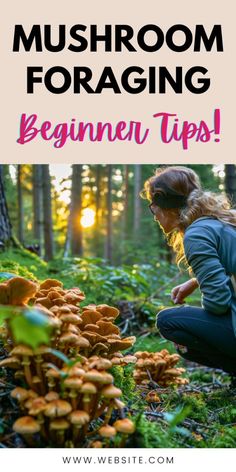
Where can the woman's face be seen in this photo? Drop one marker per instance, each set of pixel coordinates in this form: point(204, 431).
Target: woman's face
point(167, 219)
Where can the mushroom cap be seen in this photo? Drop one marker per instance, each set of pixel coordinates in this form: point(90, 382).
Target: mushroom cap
point(74, 371)
point(57, 408)
point(53, 373)
point(101, 364)
point(88, 387)
point(64, 310)
point(51, 396)
point(106, 328)
point(22, 350)
point(20, 394)
point(48, 283)
point(107, 431)
point(59, 424)
point(100, 348)
point(73, 383)
point(12, 362)
point(90, 317)
point(91, 327)
point(43, 309)
point(152, 397)
point(107, 310)
point(93, 376)
point(68, 338)
point(73, 298)
point(70, 318)
point(97, 444)
point(79, 417)
point(93, 337)
point(129, 359)
point(120, 345)
point(110, 391)
point(54, 294)
point(124, 426)
point(82, 342)
point(20, 290)
point(118, 404)
point(37, 406)
point(26, 425)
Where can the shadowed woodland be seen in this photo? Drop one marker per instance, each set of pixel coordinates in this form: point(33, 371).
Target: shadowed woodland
point(83, 271)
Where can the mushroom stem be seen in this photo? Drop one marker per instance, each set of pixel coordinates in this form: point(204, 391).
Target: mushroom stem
point(108, 413)
point(27, 372)
point(123, 440)
point(60, 437)
point(95, 404)
point(29, 439)
point(77, 430)
point(40, 375)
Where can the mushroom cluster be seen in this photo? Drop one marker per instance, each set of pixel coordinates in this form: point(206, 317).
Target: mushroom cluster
point(159, 367)
point(89, 330)
point(77, 396)
point(66, 403)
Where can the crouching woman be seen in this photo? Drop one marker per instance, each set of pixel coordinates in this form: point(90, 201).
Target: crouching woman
point(201, 228)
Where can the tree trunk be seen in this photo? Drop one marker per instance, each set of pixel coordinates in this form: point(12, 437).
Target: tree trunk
point(137, 202)
point(76, 211)
point(108, 244)
point(20, 205)
point(5, 225)
point(230, 181)
point(98, 210)
point(126, 200)
point(47, 213)
point(37, 205)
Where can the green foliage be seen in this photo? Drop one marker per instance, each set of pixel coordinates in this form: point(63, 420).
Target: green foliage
point(123, 378)
point(153, 343)
point(23, 263)
point(226, 438)
point(28, 326)
point(197, 407)
point(158, 433)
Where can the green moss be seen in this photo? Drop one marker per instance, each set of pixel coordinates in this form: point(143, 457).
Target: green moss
point(198, 408)
point(23, 263)
point(225, 438)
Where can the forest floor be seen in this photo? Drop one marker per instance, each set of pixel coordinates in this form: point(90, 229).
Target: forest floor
point(201, 414)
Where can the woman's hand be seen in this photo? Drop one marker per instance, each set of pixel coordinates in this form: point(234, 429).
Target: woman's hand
point(179, 293)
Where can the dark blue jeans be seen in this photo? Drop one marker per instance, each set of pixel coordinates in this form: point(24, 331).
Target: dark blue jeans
point(209, 338)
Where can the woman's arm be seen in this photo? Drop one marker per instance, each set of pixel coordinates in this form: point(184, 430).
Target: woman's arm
point(180, 292)
point(200, 246)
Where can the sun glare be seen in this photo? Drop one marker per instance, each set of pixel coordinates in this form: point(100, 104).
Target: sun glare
point(88, 218)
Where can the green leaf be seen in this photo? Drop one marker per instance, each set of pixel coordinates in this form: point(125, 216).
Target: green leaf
point(177, 416)
point(61, 356)
point(31, 327)
point(6, 312)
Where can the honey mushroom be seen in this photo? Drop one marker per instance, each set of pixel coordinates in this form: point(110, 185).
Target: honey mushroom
point(17, 291)
point(125, 427)
point(158, 367)
point(36, 408)
point(78, 419)
point(25, 354)
point(59, 426)
point(27, 427)
point(107, 432)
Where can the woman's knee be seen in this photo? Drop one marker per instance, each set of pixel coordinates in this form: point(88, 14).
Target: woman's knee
point(163, 317)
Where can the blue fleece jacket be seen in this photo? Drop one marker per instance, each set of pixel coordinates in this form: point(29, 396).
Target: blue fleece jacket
point(210, 249)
